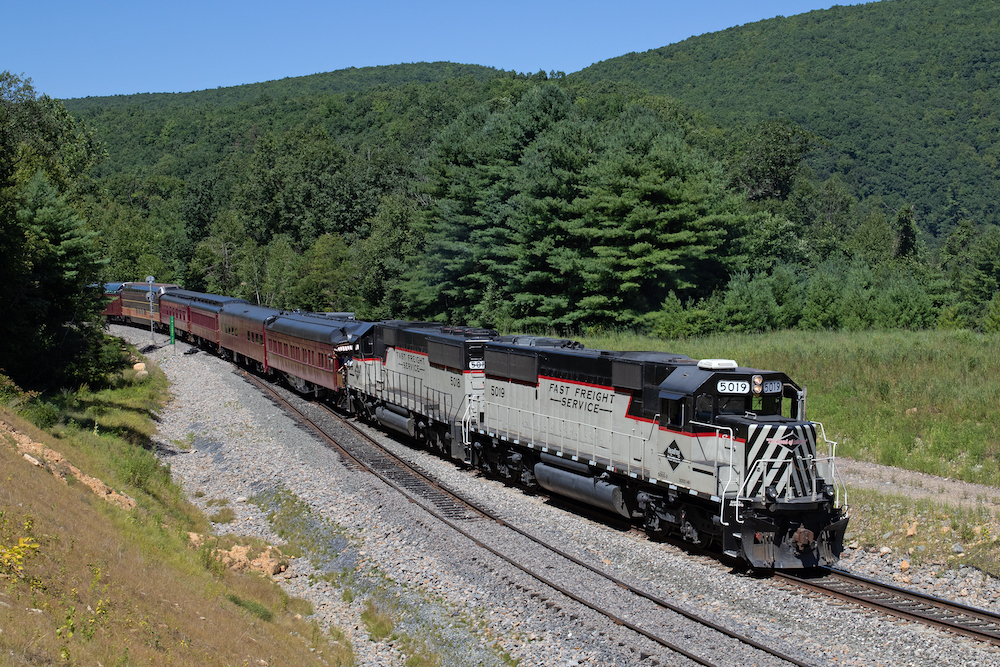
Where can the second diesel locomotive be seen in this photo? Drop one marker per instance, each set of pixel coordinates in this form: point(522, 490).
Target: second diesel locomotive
point(704, 449)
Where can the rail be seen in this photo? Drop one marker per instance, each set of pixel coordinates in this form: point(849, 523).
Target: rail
point(449, 508)
point(979, 624)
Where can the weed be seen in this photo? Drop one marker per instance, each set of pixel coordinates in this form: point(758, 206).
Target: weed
point(379, 618)
point(14, 557)
point(508, 660)
point(341, 652)
point(225, 515)
point(417, 652)
point(305, 533)
point(207, 559)
point(137, 467)
point(299, 606)
point(937, 526)
point(43, 414)
point(186, 444)
point(252, 606)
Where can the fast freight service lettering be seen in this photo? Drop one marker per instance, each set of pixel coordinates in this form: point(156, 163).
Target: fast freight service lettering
point(585, 399)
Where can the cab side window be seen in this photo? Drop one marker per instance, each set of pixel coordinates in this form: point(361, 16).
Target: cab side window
point(673, 413)
point(703, 408)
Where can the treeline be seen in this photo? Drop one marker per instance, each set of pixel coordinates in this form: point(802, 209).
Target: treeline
point(524, 202)
point(534, 202)
point(906, 92)
point(350, 80)
point(50, 332)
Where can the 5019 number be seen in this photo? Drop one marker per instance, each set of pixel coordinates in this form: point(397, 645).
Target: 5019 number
point(734, 387)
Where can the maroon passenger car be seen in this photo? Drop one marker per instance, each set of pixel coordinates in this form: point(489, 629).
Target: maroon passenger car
point(195, 313)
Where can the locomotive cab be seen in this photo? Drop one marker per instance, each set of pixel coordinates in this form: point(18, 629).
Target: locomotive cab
point(745, 432)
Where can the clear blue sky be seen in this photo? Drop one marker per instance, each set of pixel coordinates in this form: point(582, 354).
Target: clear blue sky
point(81, 48)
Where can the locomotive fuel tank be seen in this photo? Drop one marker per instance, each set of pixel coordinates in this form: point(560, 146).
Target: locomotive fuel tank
point(578, 483)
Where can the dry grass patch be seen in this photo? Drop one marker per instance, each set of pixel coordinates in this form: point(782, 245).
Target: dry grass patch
point(84, 582)
point(924, 531)
point(92, 593)
point(225, 515)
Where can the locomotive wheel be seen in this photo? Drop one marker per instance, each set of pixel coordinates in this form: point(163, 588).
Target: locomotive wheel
point(656, 528)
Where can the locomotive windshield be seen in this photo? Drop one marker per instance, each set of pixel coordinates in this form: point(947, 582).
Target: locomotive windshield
point(733, 405)
point(758, 405)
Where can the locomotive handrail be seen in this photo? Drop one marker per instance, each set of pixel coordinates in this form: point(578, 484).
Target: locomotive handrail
point(410, 392)
point(741, 494)
point(729, 481)
point(831, 457)
point(471, 405)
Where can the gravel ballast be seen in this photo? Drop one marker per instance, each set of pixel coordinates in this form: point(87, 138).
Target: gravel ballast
point(225, 441)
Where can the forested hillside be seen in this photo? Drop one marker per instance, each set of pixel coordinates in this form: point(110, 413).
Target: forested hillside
point(905, 92)
point(353, 79)
point(569, 203)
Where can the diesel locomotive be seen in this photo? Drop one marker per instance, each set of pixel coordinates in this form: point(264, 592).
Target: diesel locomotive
point(706, 450)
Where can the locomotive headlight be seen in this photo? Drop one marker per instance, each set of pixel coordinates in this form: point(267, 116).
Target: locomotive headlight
point(771, 493)
point(829, 491)
point(758, 384)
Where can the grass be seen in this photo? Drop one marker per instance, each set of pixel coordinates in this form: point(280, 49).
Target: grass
point(379, 617)
point(117, 587)
point(417, 652)
point(252, 606)
point(225, 515)
point(340, 652)
point(305, 533)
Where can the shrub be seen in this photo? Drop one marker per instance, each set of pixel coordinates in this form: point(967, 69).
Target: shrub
point(42, 414)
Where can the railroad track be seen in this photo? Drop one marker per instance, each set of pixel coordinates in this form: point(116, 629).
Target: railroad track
point(462, 514)
point(945, 614)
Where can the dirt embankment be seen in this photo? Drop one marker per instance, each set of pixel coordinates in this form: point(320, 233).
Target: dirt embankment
point(915, 485)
